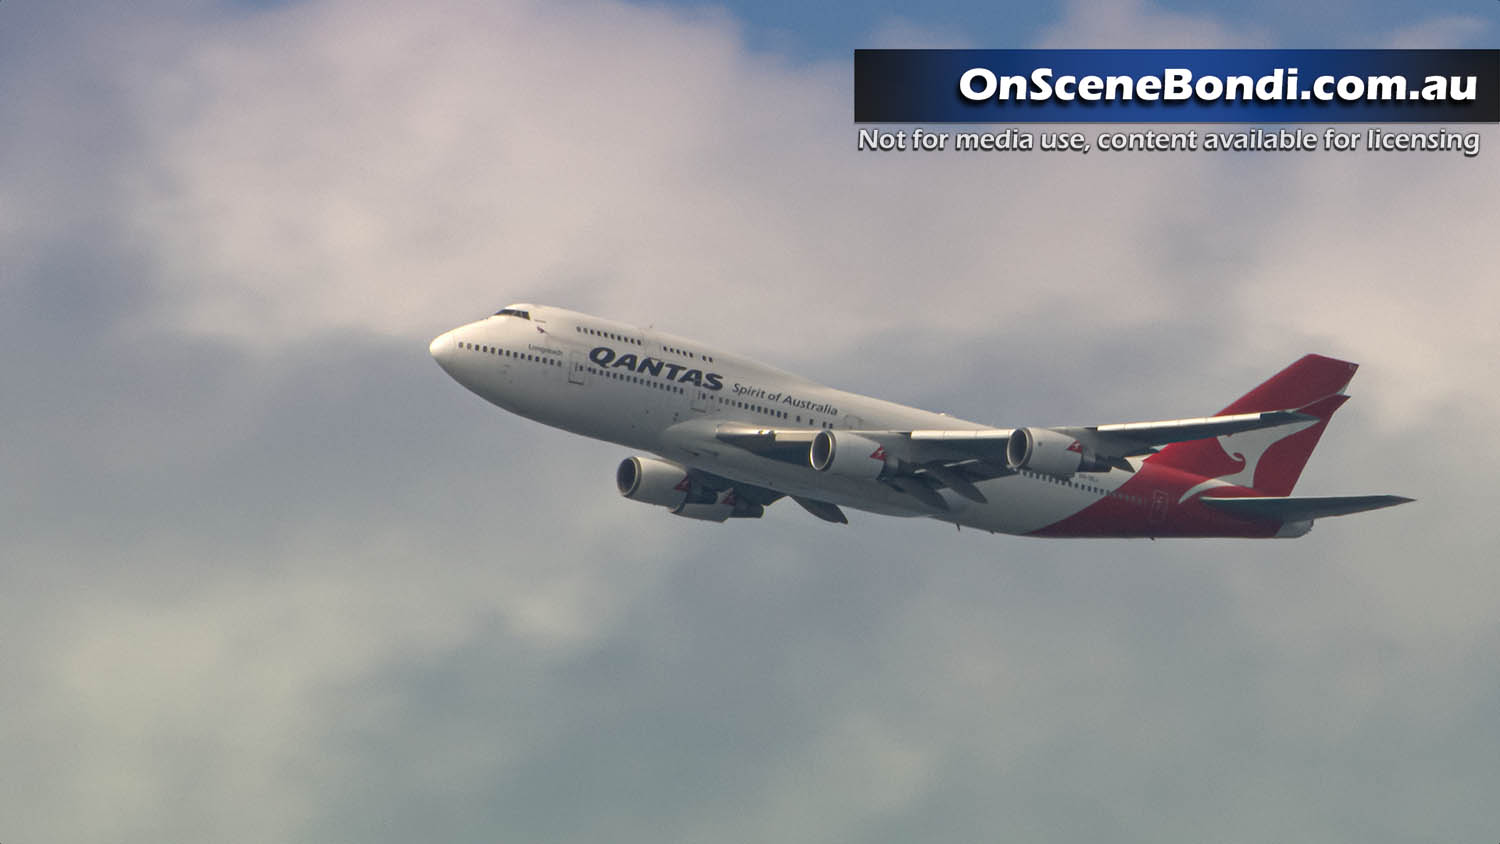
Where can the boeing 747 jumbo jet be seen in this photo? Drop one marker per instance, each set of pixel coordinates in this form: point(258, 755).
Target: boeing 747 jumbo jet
point(726, 436)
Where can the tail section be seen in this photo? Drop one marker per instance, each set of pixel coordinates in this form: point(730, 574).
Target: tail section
point(1311, 378)
point(1269, 459)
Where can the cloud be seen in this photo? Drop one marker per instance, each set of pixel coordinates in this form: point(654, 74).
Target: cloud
point(402, 181)
point(1140, 25)
point(274, 577)
point(899, 33)
point(1445, 31)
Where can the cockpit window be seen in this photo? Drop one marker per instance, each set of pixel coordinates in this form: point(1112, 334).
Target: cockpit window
point(513, 312)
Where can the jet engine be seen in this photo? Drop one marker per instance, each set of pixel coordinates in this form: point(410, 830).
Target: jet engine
point(653, 481)
point(848, 456)
point(1048, 452)
point(667, 484)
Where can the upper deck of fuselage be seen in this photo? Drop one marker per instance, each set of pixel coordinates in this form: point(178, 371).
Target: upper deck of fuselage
point(745, 380)
point(590, 331)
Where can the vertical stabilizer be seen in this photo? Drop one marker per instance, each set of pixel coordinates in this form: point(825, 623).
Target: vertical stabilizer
point(1270, 459)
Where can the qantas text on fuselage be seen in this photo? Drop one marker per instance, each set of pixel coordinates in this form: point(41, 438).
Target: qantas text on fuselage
point(725, 436)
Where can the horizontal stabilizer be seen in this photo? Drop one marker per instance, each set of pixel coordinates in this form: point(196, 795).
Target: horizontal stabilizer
point(1301, 509)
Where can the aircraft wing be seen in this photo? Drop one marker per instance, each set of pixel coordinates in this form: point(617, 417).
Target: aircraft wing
point(765, 442)
point(1119, 440)
point(981, 454)
point(926, 460)
point(916, 446)
point(788, 446)
point(1132, 438)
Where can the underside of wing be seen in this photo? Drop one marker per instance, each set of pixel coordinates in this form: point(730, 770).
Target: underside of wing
point(788, 446)
point(766, 497)
point(921, 462)
point(917, 463)
point(718, 483)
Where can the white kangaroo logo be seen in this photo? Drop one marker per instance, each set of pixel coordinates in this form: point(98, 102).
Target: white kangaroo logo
point(1248, 447)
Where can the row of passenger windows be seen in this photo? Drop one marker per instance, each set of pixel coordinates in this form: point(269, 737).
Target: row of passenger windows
point(744, 405)
point(635, 379)
point(1086, 487)
point(631, 378)
point(684, 352)
point(608, 335)
point(507, 353)
point(769, 411)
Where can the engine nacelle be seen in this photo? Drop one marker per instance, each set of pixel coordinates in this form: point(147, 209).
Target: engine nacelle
point(666, 484)
point(1048, 452)
point(848, 456)
point(653, 481)
point(1292, 530)
point(726, 505)
point(714, 512)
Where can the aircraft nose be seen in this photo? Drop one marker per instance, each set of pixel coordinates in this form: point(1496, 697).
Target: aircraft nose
point(442, 348)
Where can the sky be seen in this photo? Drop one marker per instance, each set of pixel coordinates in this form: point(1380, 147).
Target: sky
point(268, 575)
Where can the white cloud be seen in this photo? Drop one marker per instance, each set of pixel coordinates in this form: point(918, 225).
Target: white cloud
point(1140, 25)
point(322, 167)
point(900, 33)
point(1387, 256)
point(1442, 32)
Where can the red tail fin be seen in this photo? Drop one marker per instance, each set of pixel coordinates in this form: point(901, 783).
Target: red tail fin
point(1270, 459)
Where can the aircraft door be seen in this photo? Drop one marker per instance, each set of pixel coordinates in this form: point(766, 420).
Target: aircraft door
point(577, 368)
point(1158, 512)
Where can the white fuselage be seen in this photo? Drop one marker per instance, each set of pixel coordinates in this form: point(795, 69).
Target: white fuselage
point(589, 376)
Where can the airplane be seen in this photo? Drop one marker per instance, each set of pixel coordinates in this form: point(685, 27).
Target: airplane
point(725, 436)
